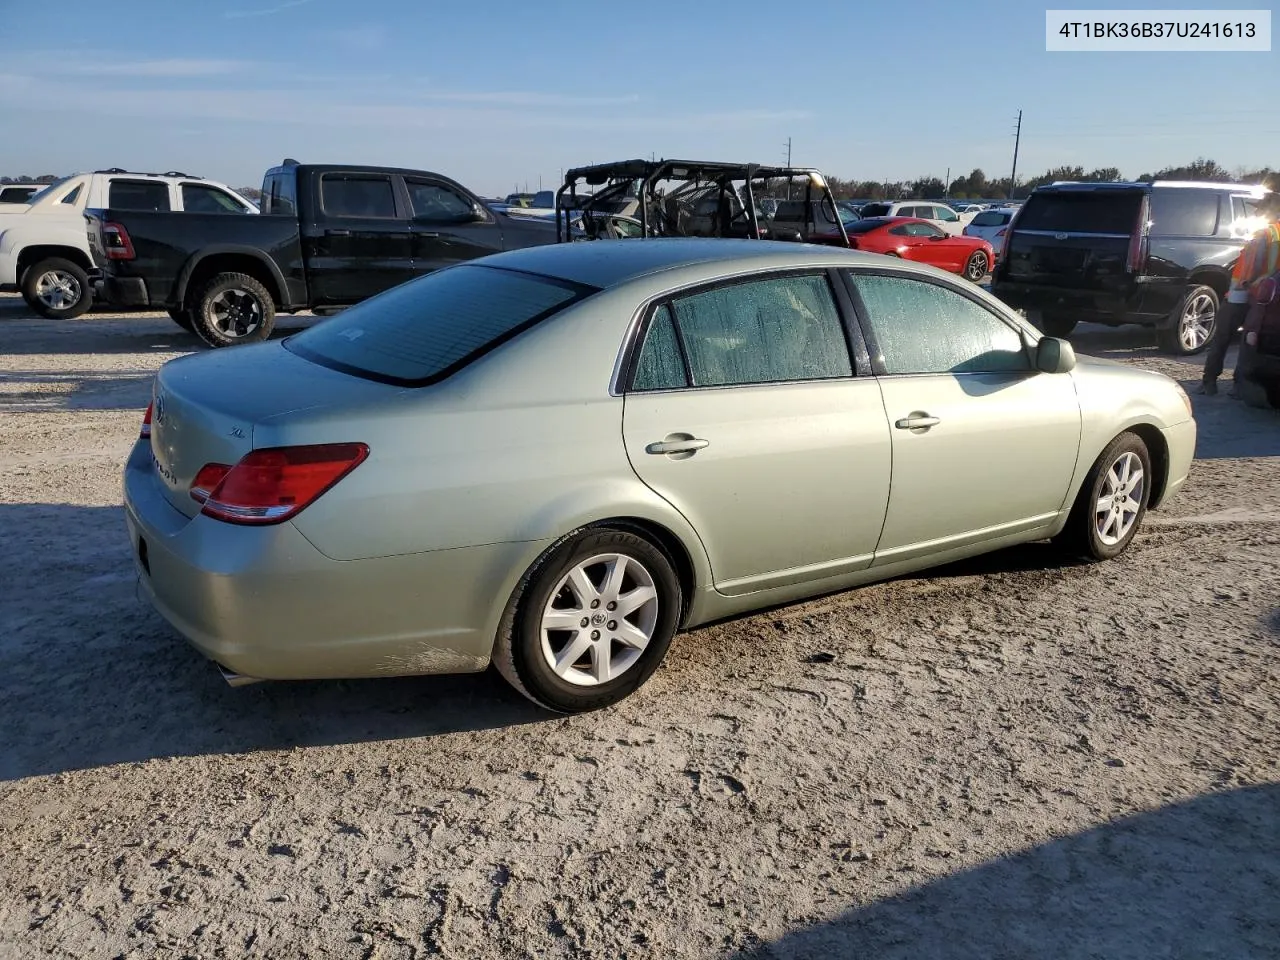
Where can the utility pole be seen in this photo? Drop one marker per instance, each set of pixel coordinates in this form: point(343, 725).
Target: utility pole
point(788, 164)
point(1017, 139)
point(946, 186)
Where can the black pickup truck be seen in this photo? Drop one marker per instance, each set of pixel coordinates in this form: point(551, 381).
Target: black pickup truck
point(328, 236)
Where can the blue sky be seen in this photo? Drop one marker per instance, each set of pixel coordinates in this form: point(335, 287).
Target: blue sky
point(487, 92)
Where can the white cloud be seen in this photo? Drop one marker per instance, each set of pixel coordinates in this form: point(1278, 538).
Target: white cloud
point(155, 68)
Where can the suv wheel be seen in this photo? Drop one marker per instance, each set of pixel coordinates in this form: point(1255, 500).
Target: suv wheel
point(1194, 321)
point(233, 308)
point(57, 289)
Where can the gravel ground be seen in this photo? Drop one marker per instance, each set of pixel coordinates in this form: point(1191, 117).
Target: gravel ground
point(1005, 758)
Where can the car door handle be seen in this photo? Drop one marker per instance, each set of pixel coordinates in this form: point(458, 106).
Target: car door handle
point(677, 445)
point(917, 421)
point(425, 233)
point(337, 233)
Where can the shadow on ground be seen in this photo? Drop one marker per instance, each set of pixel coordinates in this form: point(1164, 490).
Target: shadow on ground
point(92, 676)
point(1194, 880)
point(47, 391)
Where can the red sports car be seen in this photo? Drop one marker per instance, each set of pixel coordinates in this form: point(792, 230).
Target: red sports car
point(919, 240)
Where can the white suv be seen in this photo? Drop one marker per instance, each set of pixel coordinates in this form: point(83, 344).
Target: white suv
point(939, 214)
point(44, 246)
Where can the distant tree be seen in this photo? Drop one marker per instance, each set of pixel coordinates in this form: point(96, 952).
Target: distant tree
point(46, 178)
point(250, 193)
point(1104, 175)
point(927, 187)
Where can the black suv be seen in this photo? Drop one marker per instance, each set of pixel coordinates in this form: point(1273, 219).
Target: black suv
point(1158, 254)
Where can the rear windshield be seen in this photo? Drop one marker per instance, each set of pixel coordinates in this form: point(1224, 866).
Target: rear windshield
point(1103, 211)
point(990, 218)
point(421, 332)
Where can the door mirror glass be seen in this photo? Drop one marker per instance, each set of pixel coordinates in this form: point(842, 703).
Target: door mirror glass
point(1054, 355)
point(478, 214)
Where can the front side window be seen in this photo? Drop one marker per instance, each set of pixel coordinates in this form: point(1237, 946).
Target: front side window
point(198, 198)
point(149, 195)
point(361, 197)
point(763, 331)
point(923, 327)
point(430, 201)
point(922, 230)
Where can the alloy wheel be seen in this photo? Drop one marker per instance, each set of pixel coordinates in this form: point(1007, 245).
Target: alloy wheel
point(1120, 499)
point(58, 290)
point(1195, 326)
point(977, 267)
point(235, 313)
point(599, 620)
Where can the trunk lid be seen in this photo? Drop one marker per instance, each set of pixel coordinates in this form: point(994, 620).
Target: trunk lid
point(1079, 239)
point(205, 407)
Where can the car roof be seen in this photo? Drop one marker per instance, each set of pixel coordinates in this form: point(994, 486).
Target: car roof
point(610, 263)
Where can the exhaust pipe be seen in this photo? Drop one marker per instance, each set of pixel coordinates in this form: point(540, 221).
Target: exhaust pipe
point(236, 679)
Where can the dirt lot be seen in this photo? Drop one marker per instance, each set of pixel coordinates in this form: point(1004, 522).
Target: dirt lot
point(1006, 758)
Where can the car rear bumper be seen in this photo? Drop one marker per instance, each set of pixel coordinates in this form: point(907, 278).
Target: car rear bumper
point(125, 291)
point(263, 602)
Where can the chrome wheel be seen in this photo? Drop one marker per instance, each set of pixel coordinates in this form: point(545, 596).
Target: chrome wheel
point(1120, 499)
point(235, 313)
point(599, 620)
point(58, 290)
point(1195, 327)
point(976, 269)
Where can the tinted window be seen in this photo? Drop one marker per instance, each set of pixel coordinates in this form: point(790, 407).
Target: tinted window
point(16, 194)
point(197, 198)
point(278, 194)
point(423, 330)
point(138, 195)
point(659, 365)
point(990, 218)
point(900, 230)
point(1184, 212)
point(876, 210)
point(431, 201)
point(946, 215)
point(344, 196)
point(1095, 211)
point(922, 230)
point(926, 328)
point(763, 331)
point(74, 195)
point(862, 226)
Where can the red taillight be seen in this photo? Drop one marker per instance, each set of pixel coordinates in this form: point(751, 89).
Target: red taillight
point(207, 480)
point(145, 432)
point(116, 242)
point(268, 486)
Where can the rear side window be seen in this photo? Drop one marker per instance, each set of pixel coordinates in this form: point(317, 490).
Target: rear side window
point(990, 218)
point(198, 198)
point(422, 331)
point(150, 195)
point(1184, 212)
point(763, 331)
point(660, 365)
point(73, 196)
point(1101, 211)
point(278, 194)
point(344, 196)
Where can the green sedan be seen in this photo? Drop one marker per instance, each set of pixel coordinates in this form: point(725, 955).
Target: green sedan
point(551, 460)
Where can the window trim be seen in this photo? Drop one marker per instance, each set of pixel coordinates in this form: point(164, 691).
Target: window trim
point(396, 200)
point(621, 384)
point(409, 181)
point(1028, 337)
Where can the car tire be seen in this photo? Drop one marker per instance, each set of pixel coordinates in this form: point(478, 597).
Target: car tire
point(1092, 534)
point(976, 266)
point(1194, 321)
point(559, 589)
point(233, 308)
point(181, 317)
point(57, 289)
point(1057, 324)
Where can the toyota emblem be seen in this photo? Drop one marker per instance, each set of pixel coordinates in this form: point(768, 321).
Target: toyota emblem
point(1059, 236)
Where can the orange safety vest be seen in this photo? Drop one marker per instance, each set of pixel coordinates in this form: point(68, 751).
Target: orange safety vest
point(1259, 258)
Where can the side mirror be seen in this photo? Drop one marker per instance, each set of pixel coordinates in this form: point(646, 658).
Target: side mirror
point(1054, 356)
point(934, 236)
point(478, 213)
